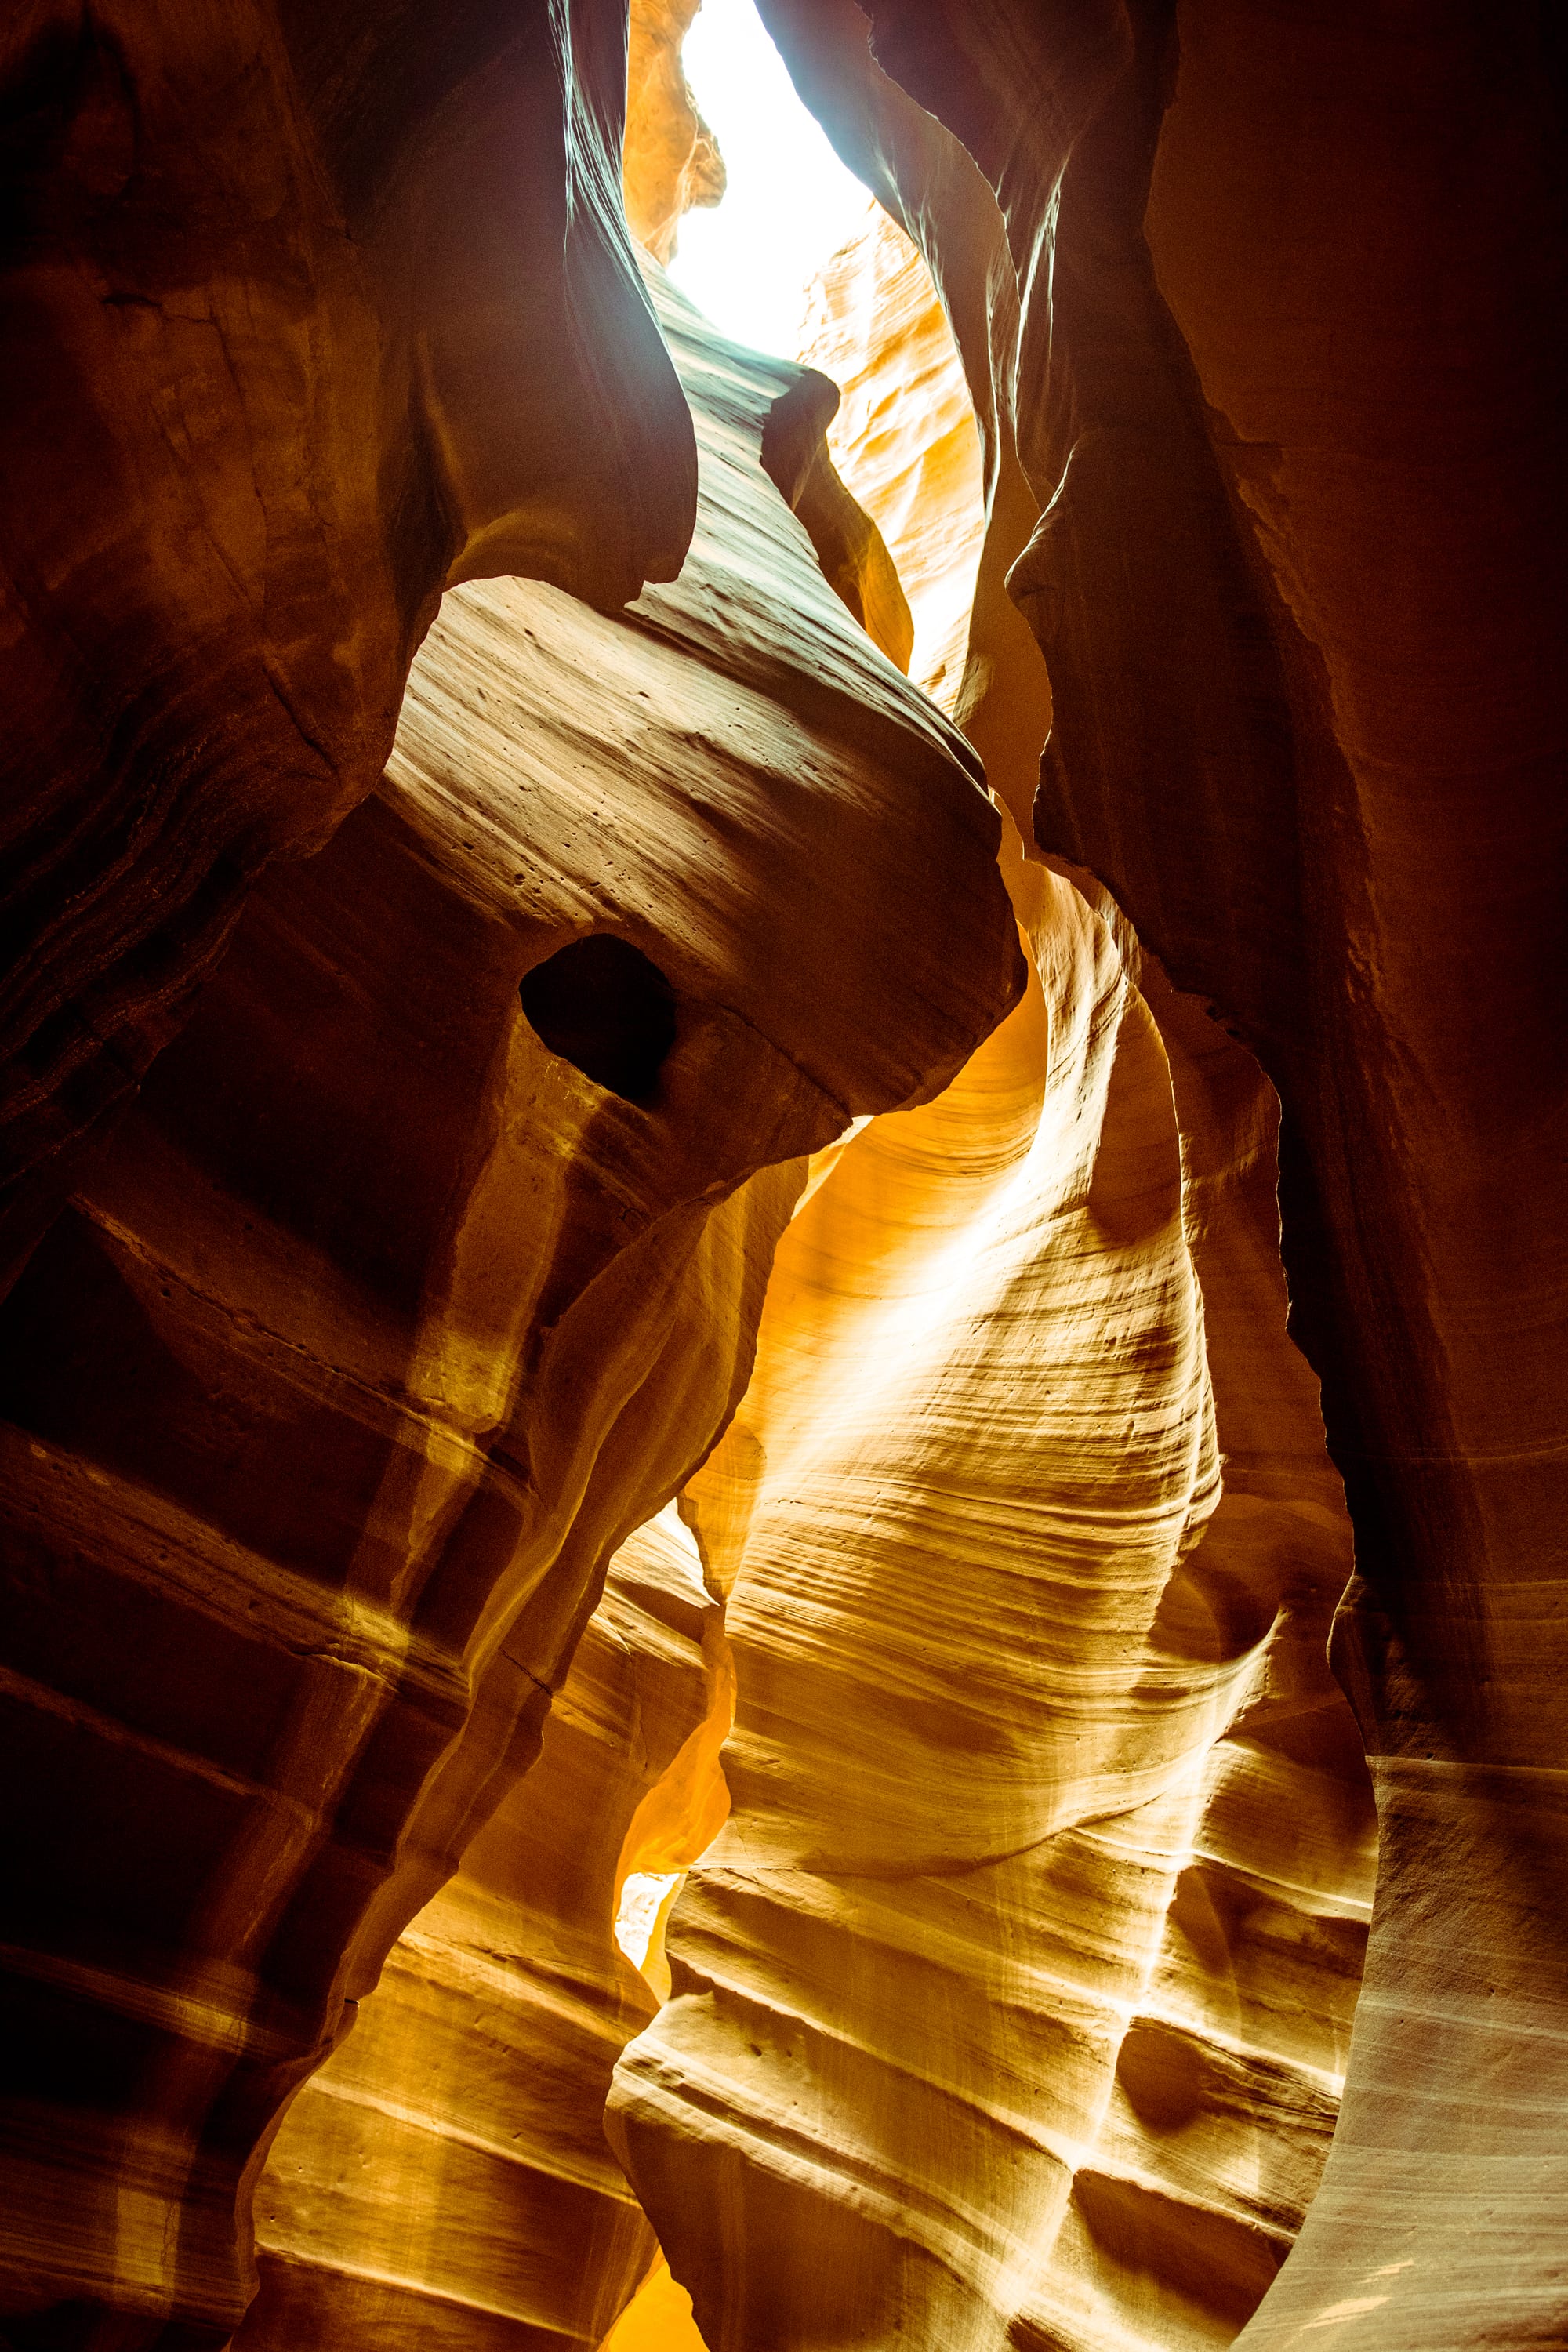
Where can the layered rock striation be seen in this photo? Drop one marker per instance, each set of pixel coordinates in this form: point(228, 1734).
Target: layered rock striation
point(1019, 1987)
point(363, 1315)
point(1283, 376)
point(308, 313)
point(445, 2178)
point(425, 1269)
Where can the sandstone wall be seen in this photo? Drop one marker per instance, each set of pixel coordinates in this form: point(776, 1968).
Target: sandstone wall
point(1287, 359)
point(904, 434)
point(444, 2179)
point(363, 1315)
point(1013, 2004)
point(424, 1270)
point(308, 313)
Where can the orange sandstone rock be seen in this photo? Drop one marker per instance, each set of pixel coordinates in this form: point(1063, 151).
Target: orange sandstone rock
point(1288, 384)
point(671, 164)
point(308, 313)
point(1018, 1988)
point(905, 435)
point(426, 1269)
point(967, 2041)
point(445, 2177)
point(1011, 2007)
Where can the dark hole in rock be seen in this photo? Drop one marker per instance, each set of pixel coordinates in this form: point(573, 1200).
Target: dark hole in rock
point(604, 1006)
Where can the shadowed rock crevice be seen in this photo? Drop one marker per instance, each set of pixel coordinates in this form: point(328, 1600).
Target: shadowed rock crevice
point(607, 1009)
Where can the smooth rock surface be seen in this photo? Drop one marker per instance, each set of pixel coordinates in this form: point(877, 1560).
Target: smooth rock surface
point(445, 2178)
point(383, 1325)
point(1287, 383)
point(1012, 2005)
point(305, 311)
point(905, 434)
point(1018, 1985)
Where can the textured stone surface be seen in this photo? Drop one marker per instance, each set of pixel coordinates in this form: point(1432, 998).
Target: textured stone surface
point(1011, 2007)
point(1298, 581)
point(382, 1324)
point(905, 434)
point(309, 310)
point(445, 2178)
point(1022, 1978)
point(1018, 1986)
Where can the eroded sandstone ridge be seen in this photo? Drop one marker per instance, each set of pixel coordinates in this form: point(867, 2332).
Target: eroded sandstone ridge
point(904, 434)
point(445, 2177)
point(558, 1129)
point(1020, 1984)
point(1278, 346)
point(423, 1270)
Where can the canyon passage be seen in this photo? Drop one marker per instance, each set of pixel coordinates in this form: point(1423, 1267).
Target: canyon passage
point(783, 1134)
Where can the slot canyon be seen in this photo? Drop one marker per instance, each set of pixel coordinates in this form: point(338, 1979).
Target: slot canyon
point(783, 1185)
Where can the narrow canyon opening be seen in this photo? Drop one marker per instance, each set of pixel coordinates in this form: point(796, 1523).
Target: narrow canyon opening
point(779, 1378)
point(1122, 1839)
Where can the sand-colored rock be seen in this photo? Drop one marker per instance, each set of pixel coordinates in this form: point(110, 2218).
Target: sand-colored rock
point(445, 2178)
point(905, 434)
point(671, 165)
point(1166, 2020)
point(1011, 2007)
point(930, 185)
point(1288, 377)
point(1018, 1986)
point(383, 1324)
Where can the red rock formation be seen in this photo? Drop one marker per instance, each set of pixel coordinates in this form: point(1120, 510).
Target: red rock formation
point(1298, 577)
point(399, 1302)
point(307, 312)
point(427, 1265)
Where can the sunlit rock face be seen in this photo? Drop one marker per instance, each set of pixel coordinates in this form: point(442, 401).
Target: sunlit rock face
point(1019, 1987)
point(905, 434)
point(1012, 2006)
point(1299, 579)
point(445, 2178)
point(671, 165)
point(426, 1269)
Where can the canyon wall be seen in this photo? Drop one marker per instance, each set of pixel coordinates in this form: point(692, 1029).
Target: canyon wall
point(308, 313)
point(444, 2179)
point(1283, 377)
point(427, 1157)
point(423, 1270)
point(904, 436)
point(1012, 2005)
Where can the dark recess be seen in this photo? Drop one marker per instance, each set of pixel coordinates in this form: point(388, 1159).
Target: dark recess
point(604, 1006)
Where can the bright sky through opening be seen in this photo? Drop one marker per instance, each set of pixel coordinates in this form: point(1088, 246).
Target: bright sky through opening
point(790, 203)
